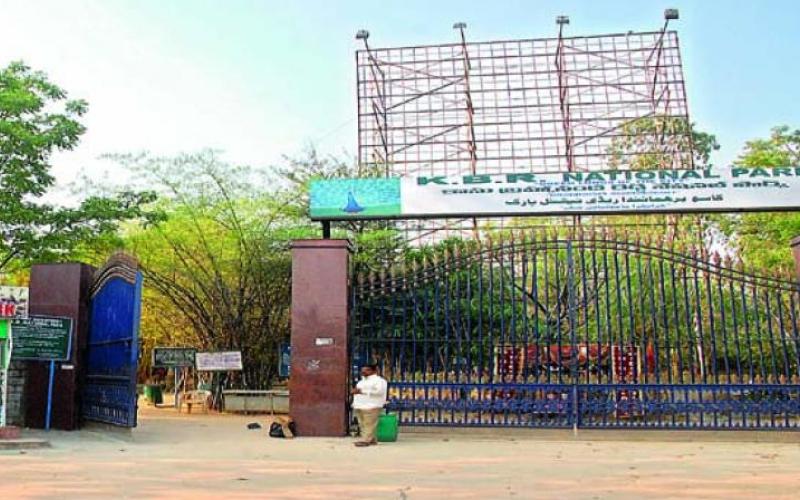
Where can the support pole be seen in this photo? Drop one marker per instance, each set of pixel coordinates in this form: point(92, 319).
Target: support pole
point(176, 401)
point(326, 230)
point(49, 395)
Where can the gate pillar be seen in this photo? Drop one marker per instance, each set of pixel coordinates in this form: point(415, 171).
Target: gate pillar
point(59, 290)
point(318, 385)
point(796, 251)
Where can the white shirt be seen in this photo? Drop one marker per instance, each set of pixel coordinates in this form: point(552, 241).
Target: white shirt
point(373, 393)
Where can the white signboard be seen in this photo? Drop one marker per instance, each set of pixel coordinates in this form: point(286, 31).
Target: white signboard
point(13, 302)
point(733, 189)
point(219, 361)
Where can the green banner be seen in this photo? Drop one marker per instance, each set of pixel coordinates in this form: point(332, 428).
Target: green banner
point(42, 338)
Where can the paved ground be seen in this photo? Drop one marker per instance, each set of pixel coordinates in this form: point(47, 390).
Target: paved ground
point(205, 456)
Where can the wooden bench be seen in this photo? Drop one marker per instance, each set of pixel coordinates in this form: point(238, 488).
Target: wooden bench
point(190, 398)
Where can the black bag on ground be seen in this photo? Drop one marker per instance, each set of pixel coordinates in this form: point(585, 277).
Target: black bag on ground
point(276, 430)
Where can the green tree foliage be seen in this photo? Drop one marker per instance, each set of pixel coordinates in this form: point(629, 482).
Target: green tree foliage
point(218, 269)
point(36, 120)
point(451, 307)
point(661, 142)
point(762, 239)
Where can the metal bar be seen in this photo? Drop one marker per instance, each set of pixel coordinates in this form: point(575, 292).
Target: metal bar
point(785, 376)
point(793, 308)
point(536, 321)
point(481, 343)
point(502, 325)
point(736, 333)
point(768, 314)
point(746, 317)
point(712, 333)
point(687, 314)
point(782, 332)
point(757, 321)
point(724, 328)
point(585, 308)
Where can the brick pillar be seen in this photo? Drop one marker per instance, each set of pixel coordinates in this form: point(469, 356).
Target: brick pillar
point(318, 384)
point(15, 412)
point(796, 251)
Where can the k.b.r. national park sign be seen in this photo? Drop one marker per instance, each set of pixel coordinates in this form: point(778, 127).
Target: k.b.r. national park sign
point(734, 189)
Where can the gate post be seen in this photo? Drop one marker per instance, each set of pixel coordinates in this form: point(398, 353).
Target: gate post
point(318, 384)
point(796, 251)
point(59, 290)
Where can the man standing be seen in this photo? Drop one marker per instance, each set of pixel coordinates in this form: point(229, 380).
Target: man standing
point(369, 397)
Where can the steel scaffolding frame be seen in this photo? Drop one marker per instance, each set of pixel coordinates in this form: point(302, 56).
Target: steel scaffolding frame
point(566, 103)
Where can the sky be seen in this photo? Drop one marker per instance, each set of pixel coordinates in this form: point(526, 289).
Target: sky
point(263, 79)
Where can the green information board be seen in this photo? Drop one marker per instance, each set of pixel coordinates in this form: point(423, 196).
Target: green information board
point(4, 329)
point(42, 338)
point(173, 357)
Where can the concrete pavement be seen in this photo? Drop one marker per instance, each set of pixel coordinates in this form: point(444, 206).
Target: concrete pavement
point(215, 456)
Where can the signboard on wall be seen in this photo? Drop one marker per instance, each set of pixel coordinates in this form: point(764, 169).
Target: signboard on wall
point(734, 189)
point(173, 357)
point(219, 361)
point(42, 338)
point(13, 302)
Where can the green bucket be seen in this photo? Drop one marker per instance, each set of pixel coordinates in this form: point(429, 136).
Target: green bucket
point(387, 428)
point(153, 394)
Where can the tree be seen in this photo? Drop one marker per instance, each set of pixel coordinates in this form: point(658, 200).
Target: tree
point(37, 120)
point(661, 142)
point(218, 268)
point(762, 239)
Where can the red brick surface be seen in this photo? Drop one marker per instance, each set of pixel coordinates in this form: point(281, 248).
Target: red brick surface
point(9, 432)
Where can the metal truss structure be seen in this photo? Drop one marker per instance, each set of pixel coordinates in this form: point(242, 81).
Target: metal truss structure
point(567, 103)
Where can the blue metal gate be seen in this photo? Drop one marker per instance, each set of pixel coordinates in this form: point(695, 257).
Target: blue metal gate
point(109, 393)
point(587, 331)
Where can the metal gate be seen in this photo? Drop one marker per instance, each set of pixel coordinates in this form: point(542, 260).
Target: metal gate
point(591, 331)
point(109, 393)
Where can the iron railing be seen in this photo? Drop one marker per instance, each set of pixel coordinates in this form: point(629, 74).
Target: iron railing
point(591, 331)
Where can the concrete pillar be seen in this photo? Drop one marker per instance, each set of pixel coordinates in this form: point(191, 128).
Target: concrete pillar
point(318, 385)
point(796, 251)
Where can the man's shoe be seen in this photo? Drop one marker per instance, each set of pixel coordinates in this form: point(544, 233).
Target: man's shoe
point(362, 444)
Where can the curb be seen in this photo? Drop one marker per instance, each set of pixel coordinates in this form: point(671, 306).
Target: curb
point(629, 435)
point(23, 444)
